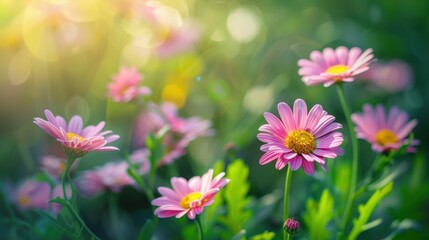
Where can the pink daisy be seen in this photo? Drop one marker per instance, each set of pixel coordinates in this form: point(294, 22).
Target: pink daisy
point(384, 133)
point(76, 140)
point(32, 194)
point(300, 139)
point(113, 176)
point(125, 86)
point(182, 130)
point(188, 197)
point(331, 66)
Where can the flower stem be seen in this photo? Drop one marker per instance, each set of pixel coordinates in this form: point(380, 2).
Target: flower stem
point(286, 236)
point(200, 228)
point(352, 187)
point(66, 178)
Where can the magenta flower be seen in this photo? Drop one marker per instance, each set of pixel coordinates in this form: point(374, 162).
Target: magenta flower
point(32, 194)
point(331, 66)
point(300, 139)
point(113, 176)
point(188, 197)
point(182, 130)
point(125, 86)
point(76, 141)
point(384, 133)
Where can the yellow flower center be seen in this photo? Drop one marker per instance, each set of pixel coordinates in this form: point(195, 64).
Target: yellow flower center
point(384, 137)
point(337, 69)
point(186, 200)
point(24, 200)
point(300, 141)
point(70, 136)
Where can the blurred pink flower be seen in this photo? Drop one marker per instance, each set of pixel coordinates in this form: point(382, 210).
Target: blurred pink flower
point(75, 140)
point(392, 76)
point(32, 194)
point(182, 130)
point(140, 157)
point(331, 66)
point(113, 176)
point(384, 133)
point(125, 86)
point(55, 166)
point(299, 139)
point(179, 40)
point(188, 197)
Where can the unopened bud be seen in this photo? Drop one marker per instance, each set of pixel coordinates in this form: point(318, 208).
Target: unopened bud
point(291, 226)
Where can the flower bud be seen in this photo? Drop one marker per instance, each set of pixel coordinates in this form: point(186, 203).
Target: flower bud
point(291, 226)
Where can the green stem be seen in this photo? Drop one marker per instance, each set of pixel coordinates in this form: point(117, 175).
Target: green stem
point(286, 200)
point(66, 178)
point(352, 187)
point(113, 212)
point(200, 228)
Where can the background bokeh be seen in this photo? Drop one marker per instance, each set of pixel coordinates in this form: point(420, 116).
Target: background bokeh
point(228, 61)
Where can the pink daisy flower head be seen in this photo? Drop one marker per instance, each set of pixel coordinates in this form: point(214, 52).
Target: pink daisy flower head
point(298, 138)
point(76, 140)
point(125, 86)
point(384, 132)
point(331, 66)
point(182, 130)
point(32, 194)
point(188, 197)
point(113, 176)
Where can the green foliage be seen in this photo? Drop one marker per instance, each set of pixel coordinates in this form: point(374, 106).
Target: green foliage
point(318, 215)
point(235, 195)
point(264, 236)
point(365, 211)
point(146, 231)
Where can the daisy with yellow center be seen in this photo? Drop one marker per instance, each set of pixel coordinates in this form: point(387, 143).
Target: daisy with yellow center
point(188, 197)
point(300, 138)
point(331, 66)
point(384, 131)
point(76, 140)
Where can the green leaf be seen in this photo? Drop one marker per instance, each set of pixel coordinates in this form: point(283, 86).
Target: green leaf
point(365, 210)
point(401, 226)
point(264, 236)
point(235, 195)
point(59, 201)
point(147, 231)
point(44, 177)
point(318, 215)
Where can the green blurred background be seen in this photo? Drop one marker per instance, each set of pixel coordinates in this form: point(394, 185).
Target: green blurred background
point(61, 55)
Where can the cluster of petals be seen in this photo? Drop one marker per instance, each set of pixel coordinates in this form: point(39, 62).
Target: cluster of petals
point(384, 132)
point(181, 130)
point(112, 176)
point(300, 138)
point(188, 197)
point(125, 86)
point(32, 194)
point(331, 66)
point(75, 139)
